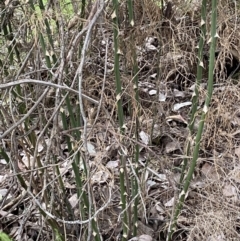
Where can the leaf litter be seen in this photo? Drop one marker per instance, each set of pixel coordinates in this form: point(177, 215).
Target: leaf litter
point(211, 208)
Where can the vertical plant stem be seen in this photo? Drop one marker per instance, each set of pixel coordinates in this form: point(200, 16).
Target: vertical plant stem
point(116, 65)
point(120, 115)
point(75, 165)
point(197, 84)
point(135, 187)
point(188, 179)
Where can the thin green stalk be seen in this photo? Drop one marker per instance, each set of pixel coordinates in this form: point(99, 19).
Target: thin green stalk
point(117, 66)
point(199, 66)
point(130, 12)
point(54, 225)
point(123, 203)
point(73, 120)
point(135, 183)
point(201, 124)
point(197, 84)
point(64, 193)
point(31, 3)
point(48, 30)
point(120, 115)
point(135, 187)
point(96, 233)
point(81, 193)
point(83, 8)
point(4, 155)
point(75, 165)
point(47, 58)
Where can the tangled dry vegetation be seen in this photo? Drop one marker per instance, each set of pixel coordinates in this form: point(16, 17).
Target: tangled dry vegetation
point(166, 41)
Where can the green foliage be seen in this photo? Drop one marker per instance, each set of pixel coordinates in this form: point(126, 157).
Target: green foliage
point(4, 155)
point(58, 235)
point(4, 237)
point(67, 8)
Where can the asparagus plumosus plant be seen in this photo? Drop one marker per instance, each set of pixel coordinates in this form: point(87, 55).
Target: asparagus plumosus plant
point(186, 179)
point(123, 173)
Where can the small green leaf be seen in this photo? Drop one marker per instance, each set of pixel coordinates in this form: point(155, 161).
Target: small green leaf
point(4, 237)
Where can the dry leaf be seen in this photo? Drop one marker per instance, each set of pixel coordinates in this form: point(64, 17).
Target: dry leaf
point(100, 177)
point(178, 93)
point(145, 237)
point(3, 161)
point(230, 192)
point(180, 105)
point(162, 97)
point(177, 118)
point(144, 229)
point(113, 164)
point(2, 178)
point(73, 200)
point(210, 171)
point(169, 203)
point(73, 22)
point(171, 146)
point(133, 239)
point(144, 137)
point(3, 193)
point(152, 92)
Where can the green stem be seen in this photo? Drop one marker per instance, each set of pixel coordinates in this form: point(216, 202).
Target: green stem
point(197, 84)
point(188, 179)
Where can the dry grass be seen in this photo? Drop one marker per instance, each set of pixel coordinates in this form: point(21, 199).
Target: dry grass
point(212, 206)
